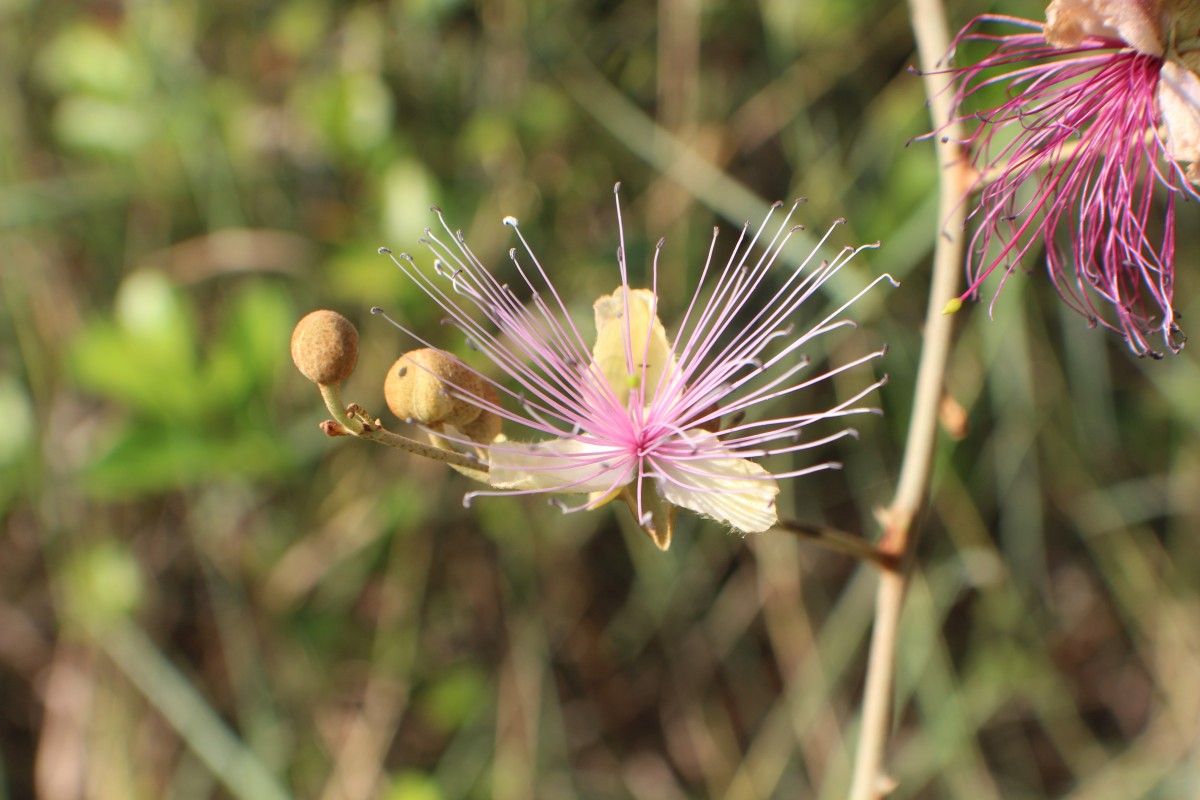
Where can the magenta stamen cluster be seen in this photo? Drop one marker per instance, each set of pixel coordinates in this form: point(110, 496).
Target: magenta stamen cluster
point(1076, 147)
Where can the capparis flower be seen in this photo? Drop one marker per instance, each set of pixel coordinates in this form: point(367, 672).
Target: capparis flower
point(1102, 116)
point(660, 421)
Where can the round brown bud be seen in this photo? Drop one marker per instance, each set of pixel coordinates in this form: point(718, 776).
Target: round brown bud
point(325, 347)
point(431, 388)
point(486, 427)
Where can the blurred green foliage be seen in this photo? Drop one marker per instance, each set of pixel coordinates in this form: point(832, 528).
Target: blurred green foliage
point(193, 417)
point(191, 572)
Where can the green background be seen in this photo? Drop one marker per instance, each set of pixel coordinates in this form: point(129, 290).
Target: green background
point(202, 596)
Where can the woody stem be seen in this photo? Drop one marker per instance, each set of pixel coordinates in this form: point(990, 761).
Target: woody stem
point(900, 519)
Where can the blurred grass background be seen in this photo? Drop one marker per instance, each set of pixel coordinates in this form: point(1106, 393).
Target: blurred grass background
point(202, 596)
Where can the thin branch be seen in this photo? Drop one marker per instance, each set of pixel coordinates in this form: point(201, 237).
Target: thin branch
point(840, 541)
point(353, 421)
point(899, 535)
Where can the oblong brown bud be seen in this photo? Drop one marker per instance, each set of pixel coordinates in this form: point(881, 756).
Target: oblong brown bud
point(325, 347)
point(431, 388)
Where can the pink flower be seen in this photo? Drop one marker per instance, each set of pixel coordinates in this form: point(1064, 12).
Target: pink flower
point(1103, 105)
point(658, 422)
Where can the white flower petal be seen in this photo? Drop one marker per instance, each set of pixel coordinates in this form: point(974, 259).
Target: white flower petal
point(732, 490)
point(1179, 100)
point(558, 465)
point(1136, 22)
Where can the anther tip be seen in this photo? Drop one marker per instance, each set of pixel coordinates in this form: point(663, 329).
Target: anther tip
point(616, 187)
point(511, 221)
point(383, 251)
point(435, 209)
point(376, 310)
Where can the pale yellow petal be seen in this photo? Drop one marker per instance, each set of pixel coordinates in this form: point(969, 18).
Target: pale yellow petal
point(732, 490)
point(622, 367)
point(555, 466)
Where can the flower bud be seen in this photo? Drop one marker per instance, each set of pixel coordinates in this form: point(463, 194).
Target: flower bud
point(431, 388)
point(486, 426)
point(325, 347)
